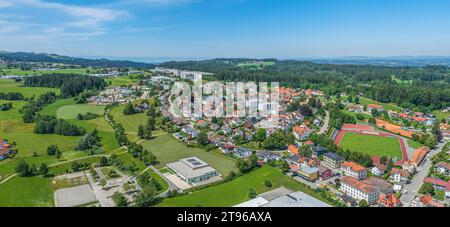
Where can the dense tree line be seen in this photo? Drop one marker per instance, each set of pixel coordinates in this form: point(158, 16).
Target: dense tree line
point(6, 106)
point(30, 110)
point(70, 84)
point(11, 96)
point(51, 125)
point(89, 142)
point(429, 86)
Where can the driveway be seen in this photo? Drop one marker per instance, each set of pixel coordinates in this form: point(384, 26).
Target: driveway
point(417, 181)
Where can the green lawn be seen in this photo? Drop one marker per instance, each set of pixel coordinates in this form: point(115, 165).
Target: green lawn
point(414, 144)
point(441, 115)
point(372, 145)
point(12, 114)
point(130, 122)
point(52, 109)
point(12, 86)
point(26, 192)
point(71, 111)
point(387, 106)
point(167, 149)
point(119, 81)
point(20, 72)
point(236, 191)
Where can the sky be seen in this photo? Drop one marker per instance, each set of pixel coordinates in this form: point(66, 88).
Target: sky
point(226, 28)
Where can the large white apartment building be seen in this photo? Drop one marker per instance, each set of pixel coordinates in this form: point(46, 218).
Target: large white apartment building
point(369, 189)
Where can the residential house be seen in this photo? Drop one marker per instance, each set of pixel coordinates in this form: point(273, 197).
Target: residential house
point(419, 155)
point(317, 150)
point(191, 132)
point(302, 132)
point(388, 200)
point(227, 148)
point(354, 170)
point(241, 152)
point(442, 168)
point(267, 156)
point(5, 149)
point(332, 160)
point(425, 201)
point(437, 183)
point(399, 175)
point(293, 149)
point(375, 106)
point(378, 170)
point(355, 108)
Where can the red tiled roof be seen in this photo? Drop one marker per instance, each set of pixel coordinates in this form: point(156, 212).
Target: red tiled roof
point(419, 154)
point(375, 106)
point(402, 172)
point(364, 186)
point(443, 164)
point(389, 200)
point(293, 149)
point(437, 181)
point(354, 166)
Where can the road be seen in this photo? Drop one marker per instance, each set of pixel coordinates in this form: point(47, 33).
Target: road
point(413, 188)
point(326, 123)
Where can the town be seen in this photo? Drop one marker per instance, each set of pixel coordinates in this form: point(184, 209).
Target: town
point(117, 142)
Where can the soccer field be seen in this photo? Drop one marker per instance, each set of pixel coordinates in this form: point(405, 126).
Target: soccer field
point(372, 145)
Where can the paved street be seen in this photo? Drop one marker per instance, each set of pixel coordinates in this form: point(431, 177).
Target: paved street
point(413, 188)
point(326, 123)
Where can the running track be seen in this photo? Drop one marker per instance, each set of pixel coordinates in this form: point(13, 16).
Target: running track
point(367, 130)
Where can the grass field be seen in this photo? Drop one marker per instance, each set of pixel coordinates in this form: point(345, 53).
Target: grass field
point(19, 72)
point(130, 122)
point(12, 86)
point(26, 192)
point(52, 109)
point(167, 149)
point(71, 111)
point(119, 81)
point(236, 191)
point(387, 106)
point(441, 115)
point(372, 145)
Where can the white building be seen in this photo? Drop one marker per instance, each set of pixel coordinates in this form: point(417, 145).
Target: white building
point(358, 190)
point(354, 170)
point(194, 171)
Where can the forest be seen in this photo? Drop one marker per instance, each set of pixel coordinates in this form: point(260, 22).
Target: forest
point(428, 87)
point(70, 84)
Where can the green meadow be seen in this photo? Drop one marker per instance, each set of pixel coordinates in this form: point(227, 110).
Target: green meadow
point(236, 191)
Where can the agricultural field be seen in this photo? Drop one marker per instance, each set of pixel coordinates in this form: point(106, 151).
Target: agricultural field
point(168, 149)
point(71, 111)
point(372, 145)
point(12, 86)
point(119, 81)
point(236, 191)
point(19, 72)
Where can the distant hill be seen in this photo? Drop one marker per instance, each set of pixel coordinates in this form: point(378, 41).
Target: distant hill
point(53, 58)
point(385, 61)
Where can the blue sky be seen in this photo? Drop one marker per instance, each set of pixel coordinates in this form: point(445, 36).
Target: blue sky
point(226, 28)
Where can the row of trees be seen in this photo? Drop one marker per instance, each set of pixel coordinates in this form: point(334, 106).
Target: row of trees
point(51, 125)
point(30, 110)
point(11, 96)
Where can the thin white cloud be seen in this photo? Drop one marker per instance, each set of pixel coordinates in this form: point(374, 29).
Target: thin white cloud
point(6, 3)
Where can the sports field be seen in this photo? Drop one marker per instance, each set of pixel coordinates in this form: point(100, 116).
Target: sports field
point(168, 149)
point(372, 145)
point(236, 191)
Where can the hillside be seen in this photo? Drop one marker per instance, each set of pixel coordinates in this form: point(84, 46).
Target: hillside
point(53, 58)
